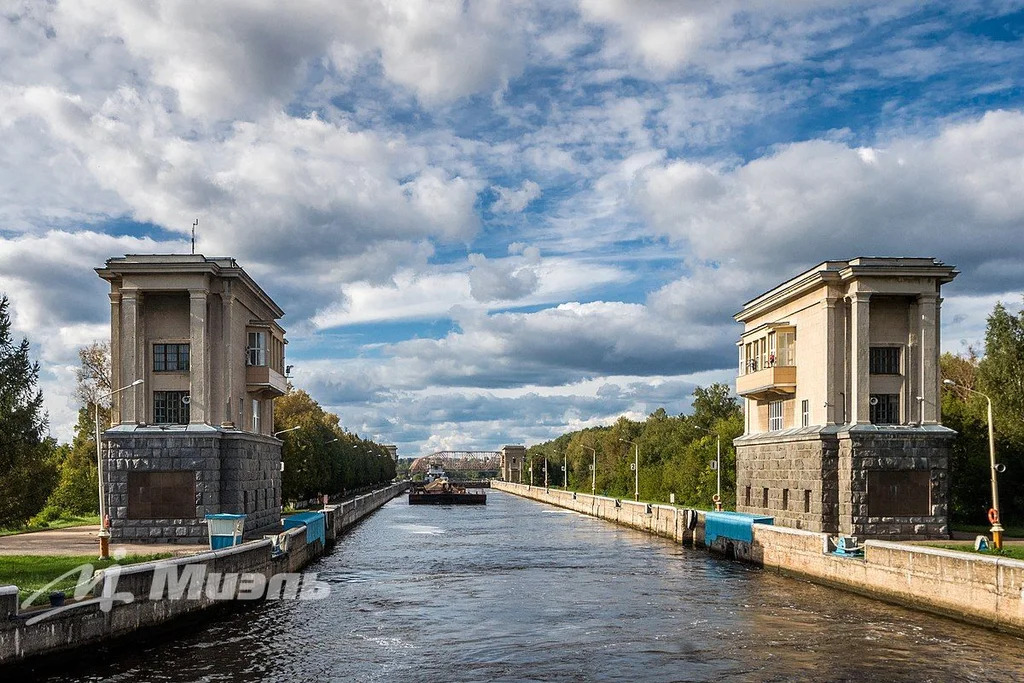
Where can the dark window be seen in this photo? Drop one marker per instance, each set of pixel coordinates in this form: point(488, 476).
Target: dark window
point(170, 407)
point(764, 498)
point(746, 498)
point(884, 409)
point(785, 499)
point(170, 357)
point(807, 500)
point(884, 360)
point(161, 495)
point(900, 493)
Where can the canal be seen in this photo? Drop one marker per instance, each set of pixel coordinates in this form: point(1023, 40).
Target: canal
point(517, 590)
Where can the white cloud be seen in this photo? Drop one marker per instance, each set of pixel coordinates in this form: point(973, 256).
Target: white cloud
point(515, 200)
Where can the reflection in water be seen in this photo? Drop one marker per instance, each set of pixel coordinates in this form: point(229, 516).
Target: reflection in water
point(510, 591)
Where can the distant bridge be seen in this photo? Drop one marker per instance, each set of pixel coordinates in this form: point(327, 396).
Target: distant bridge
point(459, 461)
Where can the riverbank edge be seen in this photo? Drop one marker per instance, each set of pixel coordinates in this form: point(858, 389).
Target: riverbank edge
point(976, 589)
point(90, 624)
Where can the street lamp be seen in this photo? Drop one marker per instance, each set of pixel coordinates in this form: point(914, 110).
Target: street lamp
point(290, 429)
point(993, 515)
point(593, 470)
point(104, 535)
point(636, 469)
point(545, 471)
point(718, 469)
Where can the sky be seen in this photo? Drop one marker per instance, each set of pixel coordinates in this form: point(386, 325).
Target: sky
point(493, 222)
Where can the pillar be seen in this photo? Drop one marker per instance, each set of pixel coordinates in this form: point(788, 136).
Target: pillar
point(199, 362)
point(228, 353)
point(928, 305)
point(860, 345)
point(834, 410)
point(115, 352)
point(130, 340)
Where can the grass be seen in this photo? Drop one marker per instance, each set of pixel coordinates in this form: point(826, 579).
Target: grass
point(982, 529)
point(1015, 552)
point(32, 572)
point(62, 523)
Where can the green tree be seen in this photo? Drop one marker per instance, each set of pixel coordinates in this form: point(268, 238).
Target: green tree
point(77, 486)
point(27, 471)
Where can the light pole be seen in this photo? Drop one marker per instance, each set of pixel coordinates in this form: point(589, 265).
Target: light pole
point(593, 470)
point(104, 535)
point(718, 469)
point(636, 469)
point(290, 429)
point(545, 471)
point(993, 514)
point(565, 470)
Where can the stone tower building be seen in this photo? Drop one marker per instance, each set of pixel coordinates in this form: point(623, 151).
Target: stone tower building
point(512, 458)
point(839, 375)
point(194, 437)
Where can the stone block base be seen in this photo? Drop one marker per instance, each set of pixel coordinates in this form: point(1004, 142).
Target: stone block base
point(190, 474)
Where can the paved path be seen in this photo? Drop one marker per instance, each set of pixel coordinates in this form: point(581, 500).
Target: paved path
point(82, 540)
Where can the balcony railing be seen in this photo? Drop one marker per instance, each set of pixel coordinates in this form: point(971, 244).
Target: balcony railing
point(266, 378)
point(773, 380)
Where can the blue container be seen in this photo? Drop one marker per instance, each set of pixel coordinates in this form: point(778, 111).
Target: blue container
point(225, 530)
point(735, 526)
point(314, 523)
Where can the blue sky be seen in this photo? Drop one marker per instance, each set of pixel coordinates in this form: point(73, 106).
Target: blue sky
point(492, 222)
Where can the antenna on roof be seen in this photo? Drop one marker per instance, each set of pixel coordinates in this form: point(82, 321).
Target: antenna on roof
point(195, 224)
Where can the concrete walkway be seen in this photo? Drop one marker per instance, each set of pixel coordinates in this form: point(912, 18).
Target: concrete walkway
point(82, 540)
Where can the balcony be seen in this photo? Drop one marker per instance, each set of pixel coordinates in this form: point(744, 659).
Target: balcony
point(778, 381)
point(264, 378)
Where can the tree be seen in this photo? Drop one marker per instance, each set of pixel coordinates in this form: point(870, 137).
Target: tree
point(27, 473)
point(321, 457)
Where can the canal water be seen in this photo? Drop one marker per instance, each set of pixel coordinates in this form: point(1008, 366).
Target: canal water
point(516, 590)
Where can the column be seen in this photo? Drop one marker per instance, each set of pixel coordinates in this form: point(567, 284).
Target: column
point(860, 345)
point(928, 305)
point(115, 351)
point(128, 340)
point(834, 411)
point(228, 353)
point(198, 357)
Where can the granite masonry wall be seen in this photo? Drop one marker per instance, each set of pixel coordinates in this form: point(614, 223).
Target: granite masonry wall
point(801, 475)
point(861, 453)
point(978, 589)
point(819, 480)
point(235, 472)
point(86, 623)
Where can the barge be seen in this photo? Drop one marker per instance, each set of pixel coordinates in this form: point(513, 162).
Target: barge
point(442, 492)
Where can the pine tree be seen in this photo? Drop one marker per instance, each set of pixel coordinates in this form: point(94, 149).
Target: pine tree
point(27, 473)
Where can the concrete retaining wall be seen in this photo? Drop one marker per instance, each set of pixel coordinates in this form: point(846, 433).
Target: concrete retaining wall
point(88, 623)
point(978, 589)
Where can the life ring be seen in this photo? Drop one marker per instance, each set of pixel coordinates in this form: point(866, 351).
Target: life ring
point(993, 516)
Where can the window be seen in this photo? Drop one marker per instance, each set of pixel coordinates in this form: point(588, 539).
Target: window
point(805, 413)
point(170, 407)
point(170, 357)
point(807, 500)
point(256, 415)
point(764, 498)
point(785, 499)
point(786, 348)
point(774, 416)
point(746, 497)
point(257, 350)
point(884, 409)
point(884, 360)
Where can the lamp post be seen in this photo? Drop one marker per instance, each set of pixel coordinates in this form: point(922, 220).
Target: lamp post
point(593, 469)
point(718, 469)
point(104, 534)
point(290, 429)
point(545, 471)
point(565, 470)
point(636, 469)
point(993, 515)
